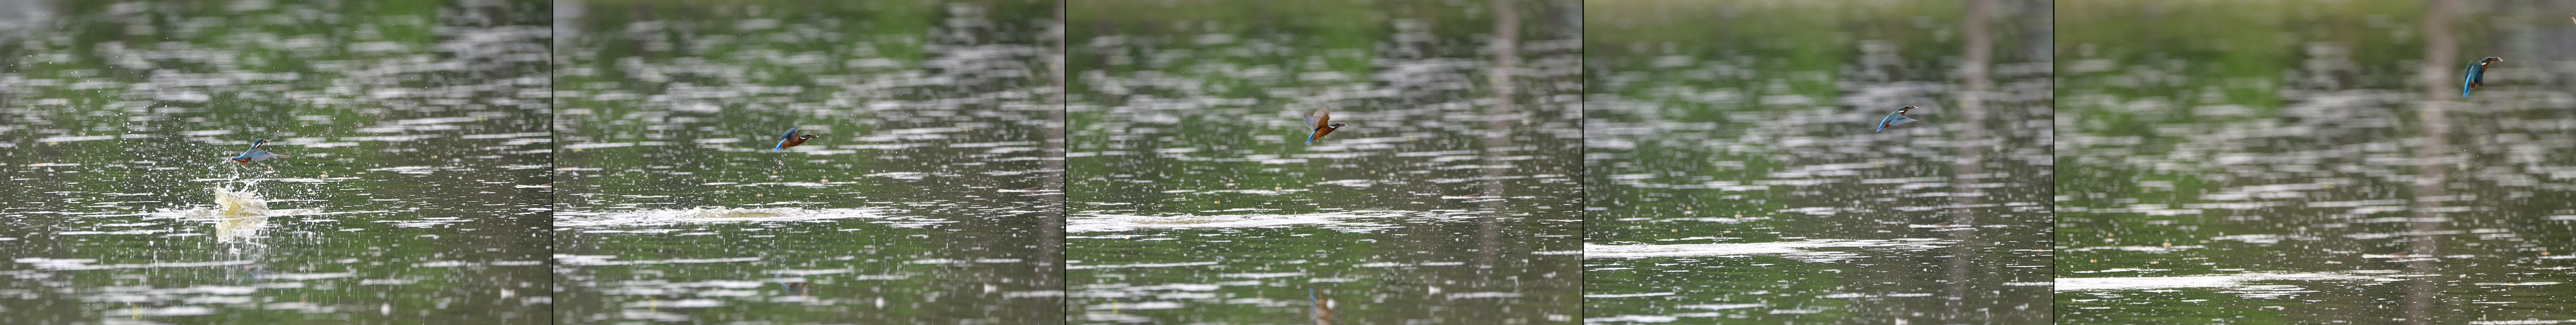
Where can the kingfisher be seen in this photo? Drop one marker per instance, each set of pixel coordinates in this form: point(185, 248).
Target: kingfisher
point(2477, 76)
point(1318, 120)
point(255, 154)
point(790, 139)
point(1323, 307)
point(797, 287)
point(1894, 119)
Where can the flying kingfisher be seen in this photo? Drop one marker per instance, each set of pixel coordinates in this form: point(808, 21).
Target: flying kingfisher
point(1323, 307)
point(255, 154)
point(796, 287)
point(790, 139)
point(2477, 76)
point(1894, 119)
point(1318, 120)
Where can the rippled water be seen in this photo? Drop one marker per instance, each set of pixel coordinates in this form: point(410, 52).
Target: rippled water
point(414, 190)
point(2272, 164)
point(1736, 176)
point(928, 196)
point(1195, 198)
point(1147, 161)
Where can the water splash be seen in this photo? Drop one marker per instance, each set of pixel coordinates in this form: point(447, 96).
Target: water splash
point(244, 202)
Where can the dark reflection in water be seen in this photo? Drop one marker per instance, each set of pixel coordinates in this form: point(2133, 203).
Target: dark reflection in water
point(2283, 162)
point(1736, 176)
point(1451, 198)
point(928, 196)
point(415, 191)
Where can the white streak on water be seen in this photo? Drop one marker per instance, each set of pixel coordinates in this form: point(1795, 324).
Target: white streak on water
point(2207, 281)
point(1802, 250)
point(1355, 221)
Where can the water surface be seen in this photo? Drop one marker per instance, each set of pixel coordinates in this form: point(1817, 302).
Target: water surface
point(2289, 162)
point(1451, 198)
point(1737, 175)
point(415, 190)
point(928, 196)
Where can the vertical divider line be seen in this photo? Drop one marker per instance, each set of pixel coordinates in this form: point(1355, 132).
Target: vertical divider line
point(554, 158)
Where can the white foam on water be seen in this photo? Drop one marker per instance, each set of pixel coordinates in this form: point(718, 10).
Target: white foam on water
point(232, 203)
point(240, 215)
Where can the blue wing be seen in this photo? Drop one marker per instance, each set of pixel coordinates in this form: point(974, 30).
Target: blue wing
point(2470, 80)
point(791, 133)
point(1893, 120)
point(1315, 122)
point(257, 155)
point(782, 144)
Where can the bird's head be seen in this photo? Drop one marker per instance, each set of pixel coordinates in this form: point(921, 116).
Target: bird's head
point(808, 136)
point(1907, 108)
point(257, 143)
point(2490, 59)
point(1337, 125)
